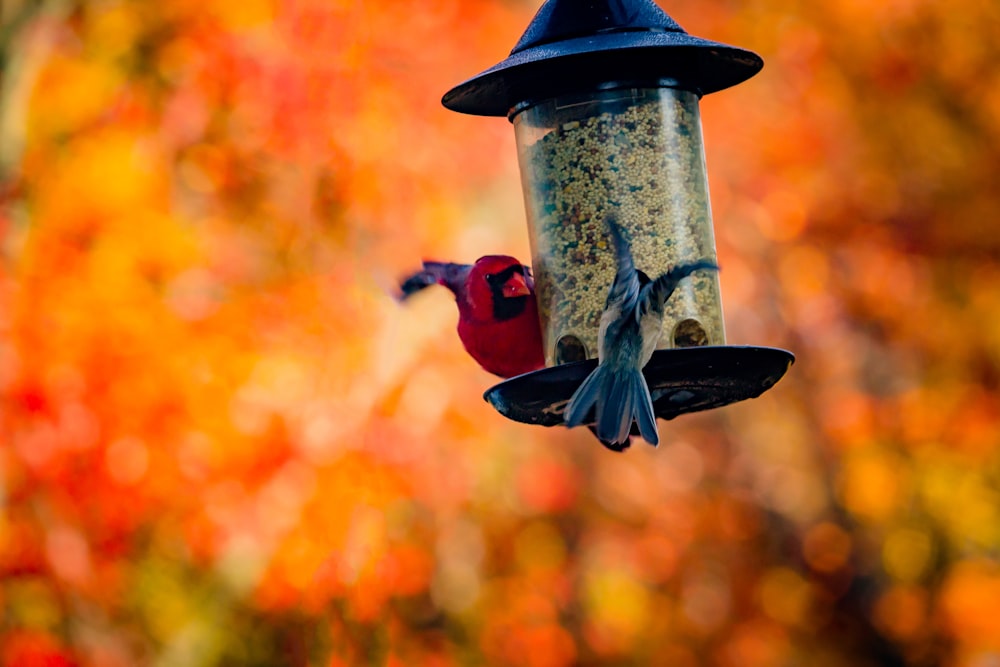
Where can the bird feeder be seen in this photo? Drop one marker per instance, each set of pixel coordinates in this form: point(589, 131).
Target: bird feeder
point(603, 96)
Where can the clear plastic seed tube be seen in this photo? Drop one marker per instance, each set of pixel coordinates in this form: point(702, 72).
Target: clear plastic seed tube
point(636, 153)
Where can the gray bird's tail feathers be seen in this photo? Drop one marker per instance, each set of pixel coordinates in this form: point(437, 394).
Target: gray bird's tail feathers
point(626, 400)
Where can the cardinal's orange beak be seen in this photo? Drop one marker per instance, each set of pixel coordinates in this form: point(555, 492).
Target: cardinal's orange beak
point(516, 285)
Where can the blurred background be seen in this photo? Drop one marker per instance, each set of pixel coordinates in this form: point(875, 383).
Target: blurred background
point(222, 442)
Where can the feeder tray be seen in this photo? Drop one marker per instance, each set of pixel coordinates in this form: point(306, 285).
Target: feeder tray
point(680, 380)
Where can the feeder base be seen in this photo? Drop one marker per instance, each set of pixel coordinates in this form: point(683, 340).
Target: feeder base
point(680, 380)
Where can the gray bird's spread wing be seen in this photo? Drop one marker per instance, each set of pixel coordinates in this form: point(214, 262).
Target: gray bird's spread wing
point(632, 294)
point(625, 288)
point(654, 294)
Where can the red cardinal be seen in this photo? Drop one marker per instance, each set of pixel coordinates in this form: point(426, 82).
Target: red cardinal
point(497, 311)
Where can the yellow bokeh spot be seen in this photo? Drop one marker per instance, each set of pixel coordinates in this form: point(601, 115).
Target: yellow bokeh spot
point(906, 554)
point(964, 501)
point(69, 93)
point(937, 487)
point(616, 601)
point(31, 603)
point(113, 28)
point(110, 177)
point(975, 510)
point(244, 14)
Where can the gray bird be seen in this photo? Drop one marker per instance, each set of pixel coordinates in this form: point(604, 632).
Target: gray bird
point(630, 329)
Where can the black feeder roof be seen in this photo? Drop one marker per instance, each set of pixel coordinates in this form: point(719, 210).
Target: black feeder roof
point(573, 45)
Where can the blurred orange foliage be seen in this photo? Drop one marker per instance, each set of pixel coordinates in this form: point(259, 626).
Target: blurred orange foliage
point(223, 442)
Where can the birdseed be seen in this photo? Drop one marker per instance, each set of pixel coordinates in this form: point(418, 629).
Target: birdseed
point(638, 156)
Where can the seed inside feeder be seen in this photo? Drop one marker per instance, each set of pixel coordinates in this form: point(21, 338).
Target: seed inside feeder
point(636, 153)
